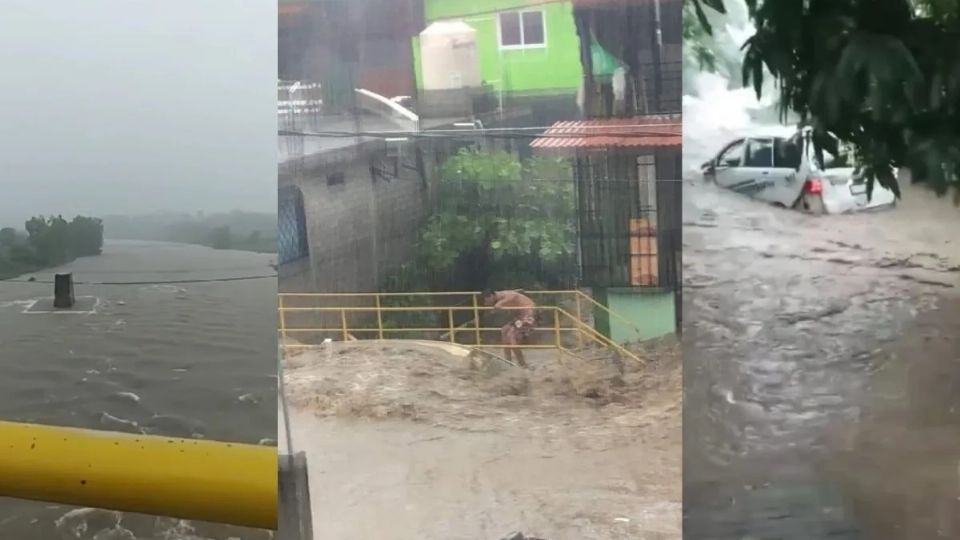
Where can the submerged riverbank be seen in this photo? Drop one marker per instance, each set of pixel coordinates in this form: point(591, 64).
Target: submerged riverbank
point(25, 271)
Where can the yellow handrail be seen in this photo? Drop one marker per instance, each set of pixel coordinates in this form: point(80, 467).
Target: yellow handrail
point(605, 309)
point(183, 478)
point(577, 293)
point(449, 331)
point(597, 336)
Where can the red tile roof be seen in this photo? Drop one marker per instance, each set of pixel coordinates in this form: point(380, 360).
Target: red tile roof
point(612, 3)
point(638, 132)
point(289, 9)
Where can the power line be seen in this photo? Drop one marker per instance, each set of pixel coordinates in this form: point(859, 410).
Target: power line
point(170, 282)
point(519, 7)
point(394, 136)
point(176, 271)
point(638, 130)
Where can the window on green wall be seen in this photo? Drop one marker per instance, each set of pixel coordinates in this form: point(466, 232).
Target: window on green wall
point(521, 29)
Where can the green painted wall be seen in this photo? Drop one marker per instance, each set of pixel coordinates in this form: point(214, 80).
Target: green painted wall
point(418, 75)
point(554, 69)
point(651, 312)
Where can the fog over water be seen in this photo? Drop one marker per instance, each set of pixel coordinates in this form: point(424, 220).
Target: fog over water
point(113, 106)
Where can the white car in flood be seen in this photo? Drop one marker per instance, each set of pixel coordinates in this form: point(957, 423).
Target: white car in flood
point(783, 171)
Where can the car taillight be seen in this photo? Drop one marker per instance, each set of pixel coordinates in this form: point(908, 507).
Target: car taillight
point(814, 186)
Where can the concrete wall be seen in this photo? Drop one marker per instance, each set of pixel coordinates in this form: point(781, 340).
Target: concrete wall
point(359, 229)
point(651, 314)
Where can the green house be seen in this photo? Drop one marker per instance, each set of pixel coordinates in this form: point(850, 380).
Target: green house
point(524, 47)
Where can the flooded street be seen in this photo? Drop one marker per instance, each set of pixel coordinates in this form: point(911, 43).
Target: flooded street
point(411, 440)
point(176, 359)
point(820, 355)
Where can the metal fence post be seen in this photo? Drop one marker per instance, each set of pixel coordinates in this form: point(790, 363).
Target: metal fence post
point(379, 318)
point(283, 323)
point(452, 329)
point(343, 323)
point(556, 327)
point(579, 319)
point(476, 315)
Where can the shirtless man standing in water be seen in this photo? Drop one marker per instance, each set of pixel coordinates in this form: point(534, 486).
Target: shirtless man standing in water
point(523, 324)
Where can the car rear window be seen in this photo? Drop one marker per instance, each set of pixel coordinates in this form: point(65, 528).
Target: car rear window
point(759, 153)
point(786, 154)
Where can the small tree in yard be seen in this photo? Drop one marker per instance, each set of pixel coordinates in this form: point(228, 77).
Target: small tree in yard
point(501, 223)
point(498, 223)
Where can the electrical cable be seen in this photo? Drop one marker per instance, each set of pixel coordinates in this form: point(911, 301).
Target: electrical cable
point(486, 133)
point(170, 282)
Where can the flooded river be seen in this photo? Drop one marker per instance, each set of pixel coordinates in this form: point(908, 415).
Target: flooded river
point(176, 359)
point(820, 370)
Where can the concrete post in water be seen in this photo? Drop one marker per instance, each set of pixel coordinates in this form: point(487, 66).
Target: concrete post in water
point(63, 291)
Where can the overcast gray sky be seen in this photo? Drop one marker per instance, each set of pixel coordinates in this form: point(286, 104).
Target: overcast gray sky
point(130, 106)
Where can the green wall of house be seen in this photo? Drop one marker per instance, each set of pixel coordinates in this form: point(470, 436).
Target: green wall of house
point(651, 314)
point(553, 69)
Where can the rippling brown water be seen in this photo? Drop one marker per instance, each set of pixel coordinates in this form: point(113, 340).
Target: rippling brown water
point(801, 372)
point(186, 360)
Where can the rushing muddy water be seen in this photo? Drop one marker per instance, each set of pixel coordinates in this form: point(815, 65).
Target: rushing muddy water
point(796, 327)
point(407, 440)
point(186, 360)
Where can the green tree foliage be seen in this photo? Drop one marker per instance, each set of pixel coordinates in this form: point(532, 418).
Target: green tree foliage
point(48, 242)
point(883, 75)
point(85, 237)
point(500, 222)
point(696, 39)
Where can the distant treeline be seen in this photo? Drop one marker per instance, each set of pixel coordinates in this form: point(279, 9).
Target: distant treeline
point(245, 231)
point(46, 242)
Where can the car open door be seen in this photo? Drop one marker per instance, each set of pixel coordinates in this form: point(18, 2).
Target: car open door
point(725, 169)
point(785, 175)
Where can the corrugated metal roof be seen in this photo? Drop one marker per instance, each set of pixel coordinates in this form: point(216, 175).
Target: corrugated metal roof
point(637, 132)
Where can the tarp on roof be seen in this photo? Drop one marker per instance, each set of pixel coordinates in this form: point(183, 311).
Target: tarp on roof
point(604, 63)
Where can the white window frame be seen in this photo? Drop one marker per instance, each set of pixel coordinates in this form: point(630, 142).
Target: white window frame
point(647, 178)
point(523, 44)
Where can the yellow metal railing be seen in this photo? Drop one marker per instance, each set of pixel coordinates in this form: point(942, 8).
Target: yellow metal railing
point(183, 478)
point(562, 323)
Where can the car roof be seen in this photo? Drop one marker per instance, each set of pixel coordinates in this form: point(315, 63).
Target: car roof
point(770, 131)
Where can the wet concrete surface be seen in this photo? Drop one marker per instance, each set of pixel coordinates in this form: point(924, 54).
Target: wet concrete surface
point(801, 380)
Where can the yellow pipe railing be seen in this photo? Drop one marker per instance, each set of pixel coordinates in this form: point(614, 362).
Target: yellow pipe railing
point(580, 329)
point(577, 294)
point(283, 326)
point(597, 336)
point(182, 478)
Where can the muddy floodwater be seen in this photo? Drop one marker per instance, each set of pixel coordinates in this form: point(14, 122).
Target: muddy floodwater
point(821, 370)
point(176, 359)
point(408, 440)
